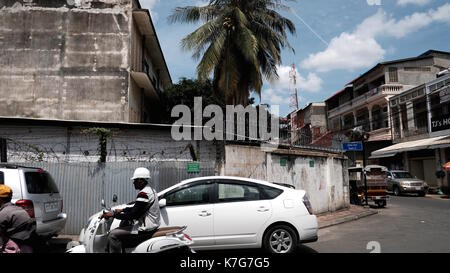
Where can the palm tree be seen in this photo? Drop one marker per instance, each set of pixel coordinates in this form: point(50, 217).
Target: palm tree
point(239, 42)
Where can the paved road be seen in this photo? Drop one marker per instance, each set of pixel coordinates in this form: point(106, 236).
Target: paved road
point(408, 224)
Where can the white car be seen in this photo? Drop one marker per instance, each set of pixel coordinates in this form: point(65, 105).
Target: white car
point(223, 212)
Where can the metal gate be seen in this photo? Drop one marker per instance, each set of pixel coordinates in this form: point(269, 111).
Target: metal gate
point(84, 185)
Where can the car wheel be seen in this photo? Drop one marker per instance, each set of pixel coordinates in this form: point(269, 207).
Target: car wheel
point(396, 191)
point(280, 239)
point(422, 194)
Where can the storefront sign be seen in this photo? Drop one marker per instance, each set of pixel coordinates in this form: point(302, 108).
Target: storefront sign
point(440, 123)
point(445, 95)
point(352, 146)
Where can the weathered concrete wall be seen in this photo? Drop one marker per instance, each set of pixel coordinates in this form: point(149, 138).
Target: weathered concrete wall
point(27, 143)
point(326, 181)
point(416, 72)
point(65, 59)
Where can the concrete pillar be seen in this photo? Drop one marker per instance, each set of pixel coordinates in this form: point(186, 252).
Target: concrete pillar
point(410, 116)
point(369, 108)
point(401, 122)
point(355, 120)
point(389, 117)
point(405, 161)
point(439, 162)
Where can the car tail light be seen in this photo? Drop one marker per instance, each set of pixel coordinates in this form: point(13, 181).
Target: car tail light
point(27, 205)
point(187, 237)
point(307, 204)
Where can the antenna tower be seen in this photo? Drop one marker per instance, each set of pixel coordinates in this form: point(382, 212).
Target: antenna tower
point(293, 100)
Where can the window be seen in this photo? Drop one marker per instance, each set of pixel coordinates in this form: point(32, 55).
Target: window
point(393, 74)
point(40, 182)
point(269, 192)
point(402, 175)
point(197, 194)
point(2, 178)
point(237, 192)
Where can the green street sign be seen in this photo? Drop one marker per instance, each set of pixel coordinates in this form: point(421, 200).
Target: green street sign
point(193, 167)
point(283, 162)
point(311, 163)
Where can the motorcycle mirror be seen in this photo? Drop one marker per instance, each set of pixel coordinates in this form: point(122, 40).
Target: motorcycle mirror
point(162, 203)
point(114, 199)
point(103, 203)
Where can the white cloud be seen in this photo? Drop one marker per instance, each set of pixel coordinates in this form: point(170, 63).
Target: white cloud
point(278, 92)
point(414, 2)
point(275, 97)
point(312, 83)
point(360, 49)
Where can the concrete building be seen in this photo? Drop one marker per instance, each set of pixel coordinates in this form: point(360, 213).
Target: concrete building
point(421, 131)
point(308, 124)
point(364, 101)
point(91, 60)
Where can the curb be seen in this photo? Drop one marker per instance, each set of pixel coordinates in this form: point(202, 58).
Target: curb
point(346, 219)
point(438, 197)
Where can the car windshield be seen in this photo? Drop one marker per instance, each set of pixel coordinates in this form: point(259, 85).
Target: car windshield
point(402, 175)
point(40, 182)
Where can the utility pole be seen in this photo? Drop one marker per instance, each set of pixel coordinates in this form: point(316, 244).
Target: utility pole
point(364, 168)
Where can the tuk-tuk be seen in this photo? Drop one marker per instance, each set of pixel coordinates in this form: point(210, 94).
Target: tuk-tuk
point(376, 185)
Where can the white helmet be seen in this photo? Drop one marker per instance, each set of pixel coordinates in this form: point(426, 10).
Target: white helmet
point(141, 173)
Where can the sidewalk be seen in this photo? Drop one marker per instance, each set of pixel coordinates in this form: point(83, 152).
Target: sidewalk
point(345, 215)
point(438, 196)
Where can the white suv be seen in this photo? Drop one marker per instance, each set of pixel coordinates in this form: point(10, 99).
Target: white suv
point(35, 191)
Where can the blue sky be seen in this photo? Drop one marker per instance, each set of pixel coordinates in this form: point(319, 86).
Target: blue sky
point(335, 42)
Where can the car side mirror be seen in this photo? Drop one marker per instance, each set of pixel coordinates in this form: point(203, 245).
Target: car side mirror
point(114, 199)
point(389, 176)
point(162, 203)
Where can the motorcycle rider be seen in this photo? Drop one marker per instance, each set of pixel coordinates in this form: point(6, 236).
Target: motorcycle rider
point(141, 219)
point(16, 226)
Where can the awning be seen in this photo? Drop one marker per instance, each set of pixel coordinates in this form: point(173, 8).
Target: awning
point(382, 155)
point(429, 143)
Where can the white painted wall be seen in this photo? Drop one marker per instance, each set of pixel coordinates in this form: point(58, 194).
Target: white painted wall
point(326, 183)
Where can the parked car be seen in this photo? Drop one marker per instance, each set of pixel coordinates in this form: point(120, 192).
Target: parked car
point(231, 212)
point(35, 191)
point(400, 182)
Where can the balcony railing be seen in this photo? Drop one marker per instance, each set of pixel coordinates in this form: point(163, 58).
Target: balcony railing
point(373, 94)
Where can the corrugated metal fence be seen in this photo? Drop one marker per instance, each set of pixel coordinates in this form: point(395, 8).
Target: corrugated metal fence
point(84, 185)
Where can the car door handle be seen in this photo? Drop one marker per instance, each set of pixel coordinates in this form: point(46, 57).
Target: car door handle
point(204, 213)
point(263, 209)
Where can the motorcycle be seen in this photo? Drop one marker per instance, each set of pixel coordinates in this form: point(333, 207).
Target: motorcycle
point(94, 237)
